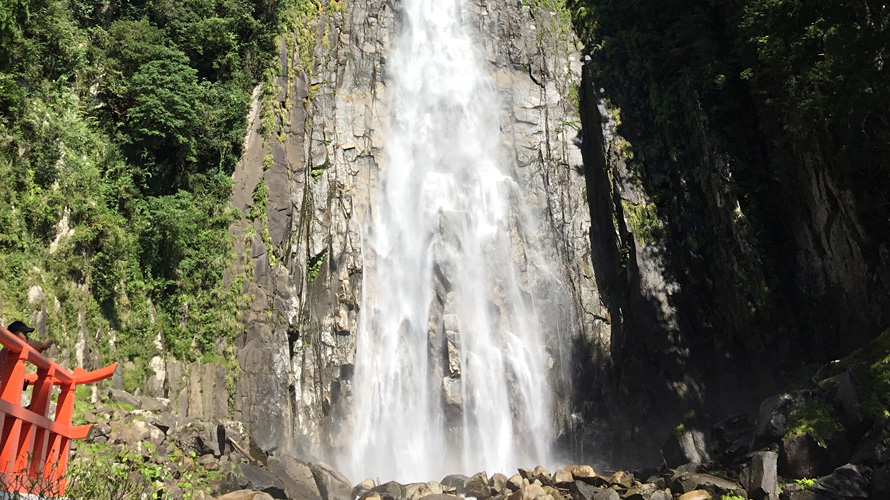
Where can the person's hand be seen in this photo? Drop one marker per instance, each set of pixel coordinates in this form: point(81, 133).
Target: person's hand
point(41, 345)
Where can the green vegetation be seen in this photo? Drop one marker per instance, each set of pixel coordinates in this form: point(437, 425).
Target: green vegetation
point(642, 221)
point(806, 483)
point(120, 126)
point(314, 265)
point(100, 471)
point(726, 109)
point(870, 369)
point(819, 421)
point(731, 496)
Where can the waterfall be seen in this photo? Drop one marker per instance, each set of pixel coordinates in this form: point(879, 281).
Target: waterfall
point(453, 372)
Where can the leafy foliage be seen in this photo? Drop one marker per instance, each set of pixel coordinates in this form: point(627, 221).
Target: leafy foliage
point(819, 421)
point(120, 125)
point(738, 98)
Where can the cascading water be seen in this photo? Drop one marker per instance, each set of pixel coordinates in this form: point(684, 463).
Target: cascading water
point(452, 372)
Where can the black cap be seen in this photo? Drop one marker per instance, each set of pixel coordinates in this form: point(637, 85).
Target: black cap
point(18, 326)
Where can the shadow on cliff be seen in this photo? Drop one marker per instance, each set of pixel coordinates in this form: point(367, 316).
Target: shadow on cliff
point(632, 391)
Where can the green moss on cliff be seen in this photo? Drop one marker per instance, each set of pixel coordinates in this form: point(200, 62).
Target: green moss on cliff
point(818, 420)
point(642, 221)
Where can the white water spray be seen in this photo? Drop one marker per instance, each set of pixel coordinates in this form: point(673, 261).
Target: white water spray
point(451, 366)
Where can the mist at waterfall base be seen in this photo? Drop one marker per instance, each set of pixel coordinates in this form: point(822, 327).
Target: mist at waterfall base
point(455, 359)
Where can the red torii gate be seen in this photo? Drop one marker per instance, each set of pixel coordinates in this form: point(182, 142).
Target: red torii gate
point(33, 448)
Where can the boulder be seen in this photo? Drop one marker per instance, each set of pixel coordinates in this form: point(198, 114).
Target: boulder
point(416, 491)
point(582, 491)
point(772, 418)
point(100, 429)
point(208, 462)
point(122, 396)
point(622, 479)
point(733, 437)
point(854, 419)
point(880, 482)
point(687, 482)
point(530, 492)
point(760, 479)
point(793, 491)
point(331, 484)
point(296, 476)
point(660, 495)
point(872, 448)
point(456, 481)
point(696, 495)
point(581, 471)
point(498, 482)
point(441, 496)
point(153, 404)
point(606, 494)
point(588, 475)
point(135, 433)
point(640, 492)
point(563, 478)
point(477, 486)
point(516, 482)
point(390, 491)
point(690, 446)
point(172, 492)
point(246, 495)
point(361, 488)
point(801, 456)
point(436, 487)
point(194, 437)
point(553, 492)
point(165, 421)
point(251, 477)
point(233, 437)
point(542, 475)
point(848, 482)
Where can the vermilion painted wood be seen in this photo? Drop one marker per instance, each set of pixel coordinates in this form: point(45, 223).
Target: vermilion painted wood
point(33, 448)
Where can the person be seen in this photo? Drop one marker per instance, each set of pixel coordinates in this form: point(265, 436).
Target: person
point(21, 330)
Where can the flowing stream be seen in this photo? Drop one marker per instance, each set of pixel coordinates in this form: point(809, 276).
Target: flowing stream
point(452, 371)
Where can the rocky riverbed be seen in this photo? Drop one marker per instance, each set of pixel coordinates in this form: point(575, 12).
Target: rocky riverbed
point(812, 444)
point(829, 440)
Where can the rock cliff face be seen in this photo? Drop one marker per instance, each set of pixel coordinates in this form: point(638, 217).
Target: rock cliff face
point(678, 309)
point(302, 250)
point(738, 277)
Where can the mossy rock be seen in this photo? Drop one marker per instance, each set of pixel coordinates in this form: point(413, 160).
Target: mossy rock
point(820, 421)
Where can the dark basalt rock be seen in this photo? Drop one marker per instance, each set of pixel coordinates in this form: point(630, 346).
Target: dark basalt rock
point(457, 481)
point(332, 484)
point(390, 491)
point(801, 456)
point(716, 486)
point(582, 491)
point(760, 479)
point(690, 446)
point(880, 482)
point(606, 495)
point(296, 476)
point(477, 486)
point(251, 477)
point(733, 437)
point(848, 482)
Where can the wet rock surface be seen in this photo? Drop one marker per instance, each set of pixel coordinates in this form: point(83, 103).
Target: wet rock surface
point(321, 164)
